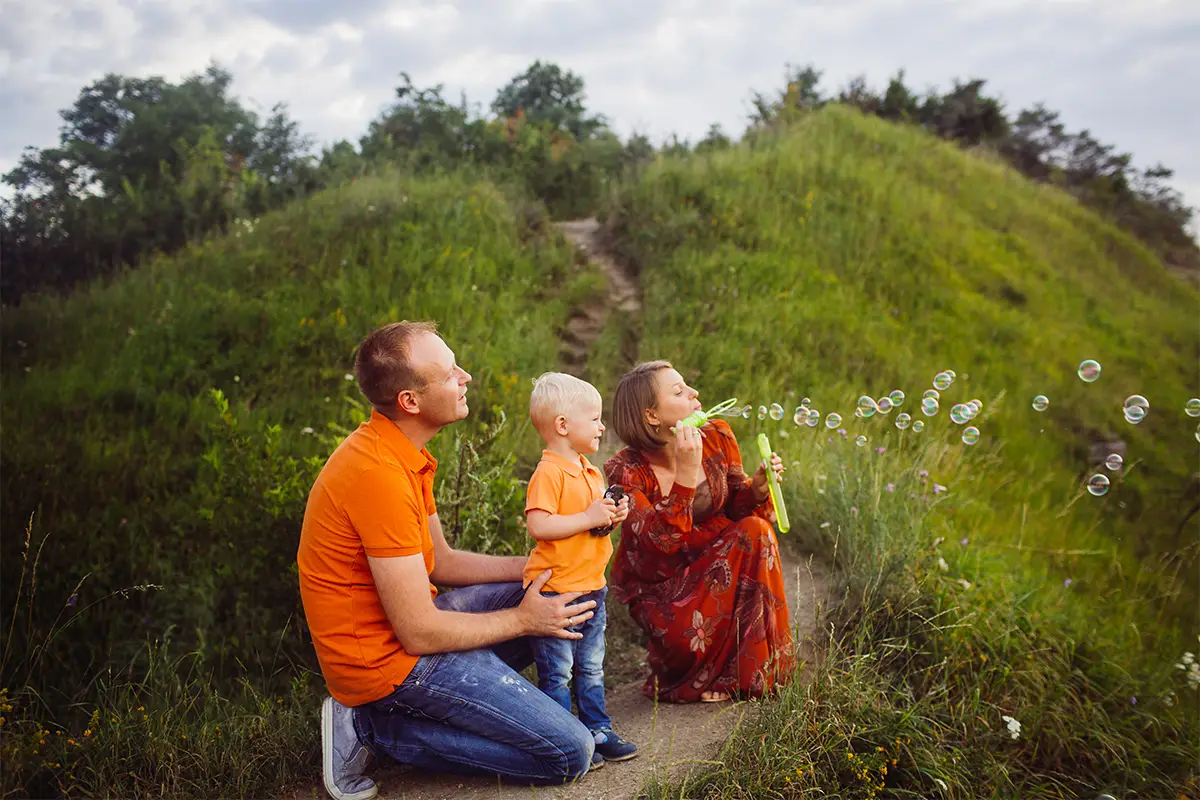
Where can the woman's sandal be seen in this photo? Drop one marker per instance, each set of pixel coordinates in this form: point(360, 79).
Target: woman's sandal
point(715, 697)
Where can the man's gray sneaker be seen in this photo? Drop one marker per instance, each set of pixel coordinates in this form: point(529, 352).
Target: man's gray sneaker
point(343, 757)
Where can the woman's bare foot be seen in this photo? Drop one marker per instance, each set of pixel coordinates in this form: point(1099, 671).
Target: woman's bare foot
point(714, 697)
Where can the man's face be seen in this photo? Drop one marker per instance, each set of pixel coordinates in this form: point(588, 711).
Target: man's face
point(444, 398)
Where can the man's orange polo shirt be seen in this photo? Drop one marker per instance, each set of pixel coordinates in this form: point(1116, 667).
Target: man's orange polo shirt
point(564, 486)
point(373, 497)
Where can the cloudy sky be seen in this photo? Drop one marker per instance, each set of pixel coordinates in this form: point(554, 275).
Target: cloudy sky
point(1125, 69)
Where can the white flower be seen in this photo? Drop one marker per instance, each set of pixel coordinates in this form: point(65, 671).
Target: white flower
point(938, 540)
point(237, 378)
point(942, 565)
point(1191, 669)
point(963, 583)
point(348, 376)
point(826, 524)
point(1014, 727)
point(941, 784)
point(307, 430)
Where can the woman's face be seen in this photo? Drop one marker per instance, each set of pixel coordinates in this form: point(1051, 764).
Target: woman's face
point(675, 399)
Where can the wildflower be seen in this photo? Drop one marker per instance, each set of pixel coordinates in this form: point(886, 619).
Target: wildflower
point(942, 565)
point(87, 733)
point(891, 487)
point(237, 378)
point(938, 540)
point(923, 473)
point(963, 541)
point(826, 524)
point(307, 430)
point(964, 583)
point(854, 510)
point(348, 377)
point(1133, 701)
point(938, 488)
point(1014, 727)
point(1191, 668)
point(72, 600)
point(1067, 583)
point(941, 784)
point(841, 431)
point(880, 450)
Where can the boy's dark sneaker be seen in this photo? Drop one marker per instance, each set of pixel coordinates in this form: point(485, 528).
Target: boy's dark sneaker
point(613, 747)
point(597, 761)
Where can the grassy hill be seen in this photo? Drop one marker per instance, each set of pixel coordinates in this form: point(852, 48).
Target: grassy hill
point(832, 258)
point(845, 256)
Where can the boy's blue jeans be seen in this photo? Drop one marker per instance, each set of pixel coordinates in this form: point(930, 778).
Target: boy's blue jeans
point(472, 713)
point(558, 659)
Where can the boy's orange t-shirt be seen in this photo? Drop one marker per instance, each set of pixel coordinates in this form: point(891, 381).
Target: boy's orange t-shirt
point(373, 498)
point(577, 563)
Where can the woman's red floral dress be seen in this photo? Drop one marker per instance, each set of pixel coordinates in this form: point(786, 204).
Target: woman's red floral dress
point(700, 572)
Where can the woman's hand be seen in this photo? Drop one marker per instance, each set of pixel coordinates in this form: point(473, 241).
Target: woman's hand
point(759, 481)
point(688, 449)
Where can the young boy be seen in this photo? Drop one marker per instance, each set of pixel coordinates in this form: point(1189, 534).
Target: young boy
point(570, 519)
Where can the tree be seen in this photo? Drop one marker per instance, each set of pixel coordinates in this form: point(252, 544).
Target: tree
point(545, 93)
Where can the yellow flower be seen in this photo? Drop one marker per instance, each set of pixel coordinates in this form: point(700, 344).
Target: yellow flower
point(87, 733)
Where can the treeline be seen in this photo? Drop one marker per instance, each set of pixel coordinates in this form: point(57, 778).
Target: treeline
point(143, 165)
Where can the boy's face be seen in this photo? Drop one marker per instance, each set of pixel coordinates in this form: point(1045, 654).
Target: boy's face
point(582, 426)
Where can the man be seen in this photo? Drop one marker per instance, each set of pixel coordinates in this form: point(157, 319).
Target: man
point(429, 679)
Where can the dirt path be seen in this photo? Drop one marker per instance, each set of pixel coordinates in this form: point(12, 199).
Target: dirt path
point(586, 322)
point(674, 739)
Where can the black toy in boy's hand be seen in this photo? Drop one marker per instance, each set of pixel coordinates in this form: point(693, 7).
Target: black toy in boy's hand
point(614, 493)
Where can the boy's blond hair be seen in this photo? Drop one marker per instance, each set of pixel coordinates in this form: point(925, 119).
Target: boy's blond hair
point(556, 393)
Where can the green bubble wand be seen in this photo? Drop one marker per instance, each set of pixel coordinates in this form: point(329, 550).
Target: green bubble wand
point(764, 449)
point(698, 418)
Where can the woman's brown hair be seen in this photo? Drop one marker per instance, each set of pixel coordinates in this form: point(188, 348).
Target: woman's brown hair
point(636, 392)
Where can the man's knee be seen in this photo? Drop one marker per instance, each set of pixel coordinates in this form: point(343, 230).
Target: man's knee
point(577, 751)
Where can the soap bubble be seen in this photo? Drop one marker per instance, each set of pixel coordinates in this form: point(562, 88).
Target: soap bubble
point(1098, 484)
point(1137, 401)
point(970, 435)
point(918, 426)
point(800, 415)
point(884, 404)
point(746, 411)
point(861, 441)
point(974, 407)
point(762, 412)
point(902, 421)
point(942, 381)
point(1041, 402)
point(929, 406)
point(867, 406)
point(776, 411)
point(1192, 407)
point(931, 393)
point(960, 414)
point(897, 397)
point(1198, 433)
point(806, 402)
point(833, 420)
point(1135, 414)
point(814, 418)
point(1114, 462)
point(1089, 371)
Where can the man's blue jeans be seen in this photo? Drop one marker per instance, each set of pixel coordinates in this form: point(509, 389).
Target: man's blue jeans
point(558, 659)
point(472, 713)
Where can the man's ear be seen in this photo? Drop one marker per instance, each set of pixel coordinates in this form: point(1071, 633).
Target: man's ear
point(407, 401)
point(560, 425)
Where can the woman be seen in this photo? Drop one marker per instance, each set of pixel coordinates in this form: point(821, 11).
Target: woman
point(698, 564)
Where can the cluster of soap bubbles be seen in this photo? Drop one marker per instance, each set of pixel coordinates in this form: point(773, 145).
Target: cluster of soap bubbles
point(1134, 409)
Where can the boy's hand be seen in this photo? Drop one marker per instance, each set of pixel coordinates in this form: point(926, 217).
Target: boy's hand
point(601, 512)
point(622, 511)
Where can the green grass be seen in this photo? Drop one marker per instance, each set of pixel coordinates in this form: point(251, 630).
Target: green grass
point(128, 470)
point(846, 256)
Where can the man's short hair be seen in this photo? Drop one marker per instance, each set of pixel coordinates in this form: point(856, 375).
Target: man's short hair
point(556, 393)
point(383, 367)
point(636, 392)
